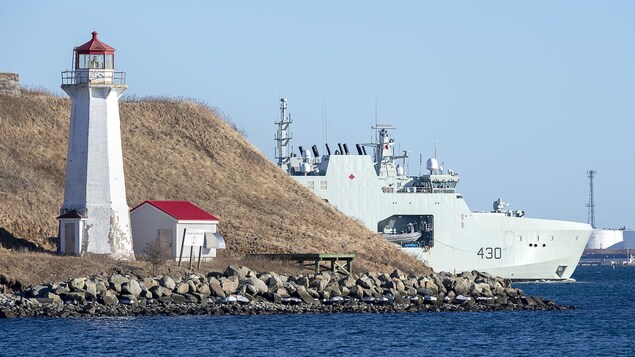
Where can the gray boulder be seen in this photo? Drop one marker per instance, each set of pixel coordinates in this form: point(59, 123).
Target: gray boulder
point(76, 284)
point(167, 282)
point(240, 272)
point(109, 297)
point(215, 288)
point(132, 287)
point(229, 285)
point(259, 286)
point(91, 289)
point(304, 295)
point(182, 288)
point(348, 281)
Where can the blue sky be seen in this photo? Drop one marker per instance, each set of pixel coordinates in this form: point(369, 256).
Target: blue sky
point(521, 98)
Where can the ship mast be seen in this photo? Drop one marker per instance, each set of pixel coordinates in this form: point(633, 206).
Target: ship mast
point(283, 136)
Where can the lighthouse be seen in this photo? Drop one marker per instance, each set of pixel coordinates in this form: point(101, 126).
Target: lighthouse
point(95, 214)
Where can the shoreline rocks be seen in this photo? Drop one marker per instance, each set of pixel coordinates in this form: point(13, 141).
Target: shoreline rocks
point(241, 291)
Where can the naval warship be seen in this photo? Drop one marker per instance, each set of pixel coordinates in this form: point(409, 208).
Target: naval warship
point(426, 216)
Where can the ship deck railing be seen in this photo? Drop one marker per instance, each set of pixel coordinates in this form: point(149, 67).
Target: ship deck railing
point(413, 189)
point(334, 262)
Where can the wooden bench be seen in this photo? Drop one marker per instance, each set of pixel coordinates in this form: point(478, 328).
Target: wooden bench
point(339, 262)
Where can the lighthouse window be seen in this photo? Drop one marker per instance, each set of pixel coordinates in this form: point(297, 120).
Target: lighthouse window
point(92, 61)
point(108, 63)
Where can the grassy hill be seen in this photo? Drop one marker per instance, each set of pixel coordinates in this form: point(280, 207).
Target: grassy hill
point(174, 150)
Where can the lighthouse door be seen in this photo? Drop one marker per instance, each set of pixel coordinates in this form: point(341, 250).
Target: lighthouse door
point(69, 238)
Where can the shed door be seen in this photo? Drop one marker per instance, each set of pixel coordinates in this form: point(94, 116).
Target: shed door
point(165, 242)
point(69, 238)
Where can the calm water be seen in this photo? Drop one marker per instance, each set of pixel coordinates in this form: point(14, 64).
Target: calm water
point(604, 325)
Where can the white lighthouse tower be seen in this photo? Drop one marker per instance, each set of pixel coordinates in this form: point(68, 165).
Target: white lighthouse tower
point(95, 215)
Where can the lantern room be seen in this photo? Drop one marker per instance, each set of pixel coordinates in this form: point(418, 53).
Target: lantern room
point(94, 54)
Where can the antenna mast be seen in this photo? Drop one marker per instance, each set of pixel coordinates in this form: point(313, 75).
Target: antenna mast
point(591, 204)
point(283, 136)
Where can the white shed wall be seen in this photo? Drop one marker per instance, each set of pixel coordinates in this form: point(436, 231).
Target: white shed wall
point(147, 220)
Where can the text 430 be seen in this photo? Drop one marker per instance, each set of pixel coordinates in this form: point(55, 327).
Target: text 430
point(490, 253)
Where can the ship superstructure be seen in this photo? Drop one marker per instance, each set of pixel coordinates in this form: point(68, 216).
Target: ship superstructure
point(428, 218)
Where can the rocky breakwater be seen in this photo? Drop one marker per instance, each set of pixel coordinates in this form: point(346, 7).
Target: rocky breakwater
point(239, 290)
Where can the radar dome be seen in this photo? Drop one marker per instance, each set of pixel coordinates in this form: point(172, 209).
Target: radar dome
point(432, 164)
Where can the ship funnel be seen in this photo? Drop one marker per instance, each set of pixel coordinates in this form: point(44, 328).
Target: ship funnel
point(316, 153)
point(359, 149)
point(328, 149)
point(364, 150)
point(301, 150)
point(339, 145)
point(346, 149)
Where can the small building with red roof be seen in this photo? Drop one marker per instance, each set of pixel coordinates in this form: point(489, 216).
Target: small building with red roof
point(174, 225)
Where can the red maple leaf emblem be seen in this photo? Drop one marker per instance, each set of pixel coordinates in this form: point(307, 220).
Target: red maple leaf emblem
point(351, 176)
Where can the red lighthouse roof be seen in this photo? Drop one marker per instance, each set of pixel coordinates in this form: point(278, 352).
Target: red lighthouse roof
point(95, 46)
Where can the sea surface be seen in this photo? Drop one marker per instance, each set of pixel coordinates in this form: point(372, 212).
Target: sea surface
point(603, 325)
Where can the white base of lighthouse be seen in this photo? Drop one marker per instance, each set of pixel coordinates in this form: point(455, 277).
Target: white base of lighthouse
point(95, 214)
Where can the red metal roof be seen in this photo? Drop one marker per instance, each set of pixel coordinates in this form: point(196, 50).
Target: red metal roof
point(181, 210)
point(95, 46)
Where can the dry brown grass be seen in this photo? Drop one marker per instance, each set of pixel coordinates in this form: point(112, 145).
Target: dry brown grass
point(177, 150)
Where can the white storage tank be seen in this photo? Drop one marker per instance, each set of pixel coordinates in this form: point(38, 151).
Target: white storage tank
point(606, 239)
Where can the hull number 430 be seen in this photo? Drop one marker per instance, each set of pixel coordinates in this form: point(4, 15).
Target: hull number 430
point(490, 253)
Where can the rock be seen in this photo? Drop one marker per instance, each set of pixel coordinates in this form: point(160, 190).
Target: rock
point(167, 282)
point(460, 287)
point(132, 287)
point(290, 287)
point(91, 289)
point(76, 284)
point(240, 272)
point(55, 299)
point(117, 279)
point(259, 286)
point(159, 291)
point(398, 274)
point(314, 293)
point(304, 295)
point(511, 292)
point(74, 297)
point(179, 299)
point(203, 289)
point(348, 281)
point(215, 288)
point(365, 282)
point(6, 313)
point(357, 291)
point(399, 285)
point(301, 280)
point(100, 285)
point(128, 299)
point(475, 289)
point(149, 283)
point(38, 291)
point(333, 289)
point(182, 288)
point(229, 285)
point(320, 281)
point(109, 297)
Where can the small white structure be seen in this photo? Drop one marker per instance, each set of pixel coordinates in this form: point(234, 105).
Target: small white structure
point(175, 225)
point(95, 214)
point(606, 239)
